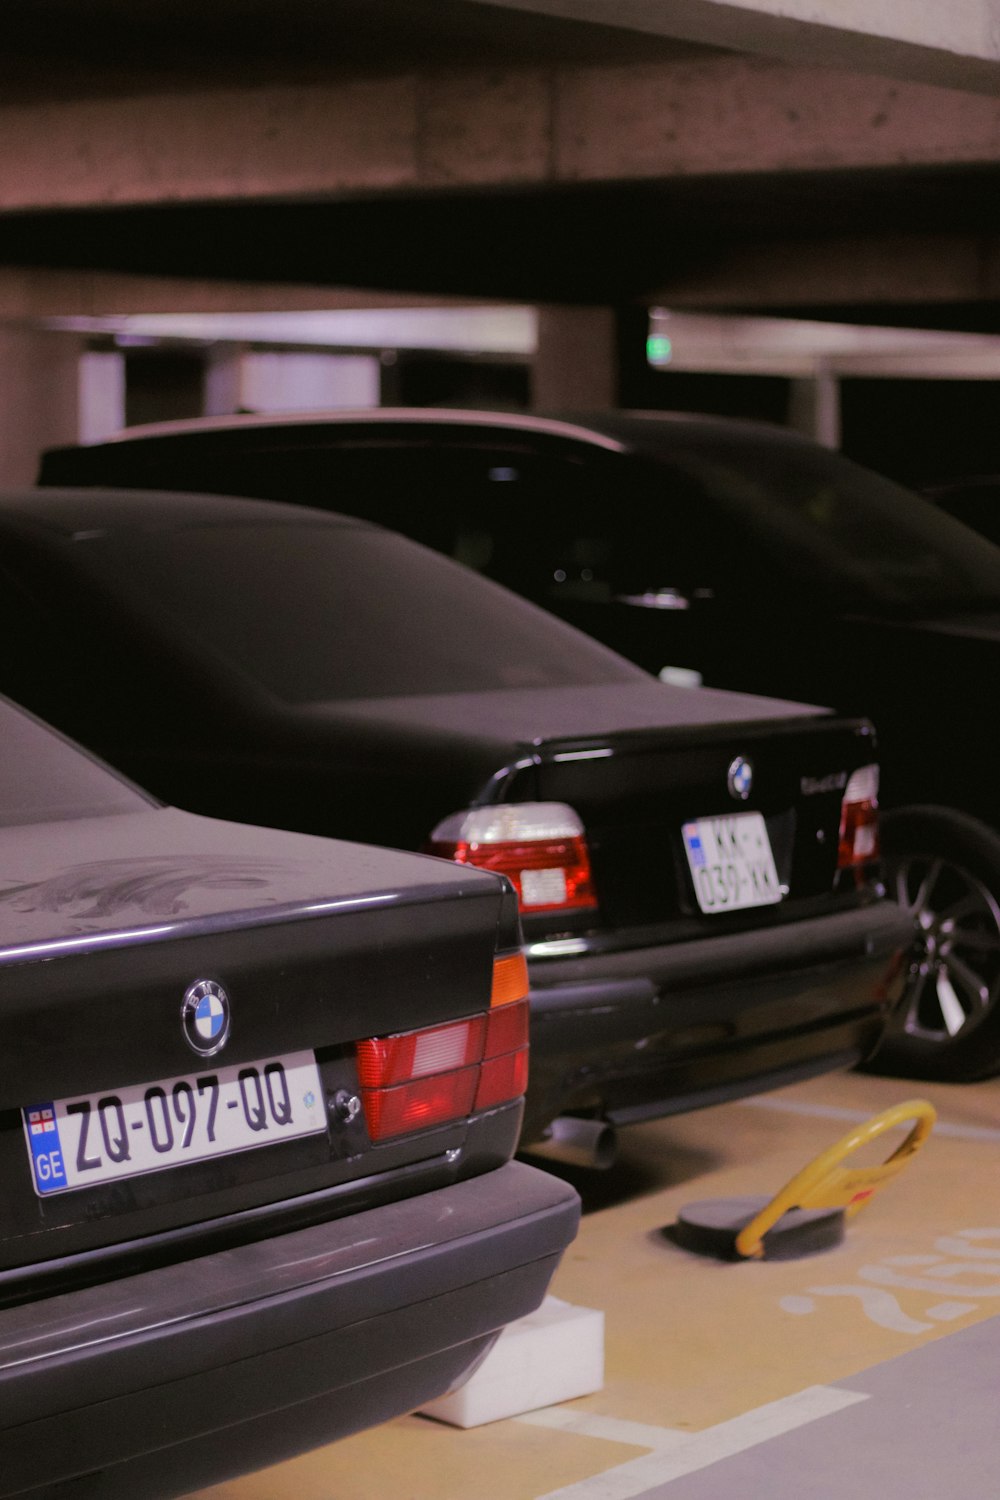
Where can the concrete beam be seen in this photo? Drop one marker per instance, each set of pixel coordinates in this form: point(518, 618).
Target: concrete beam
point(956, 44)
point(905, 270)
point(341, 137)
point(481, 129)
point(735, 115)
point(808, 350)
point(29, 294)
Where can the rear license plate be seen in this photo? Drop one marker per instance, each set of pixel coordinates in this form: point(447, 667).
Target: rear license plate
point(731, 862)
point(95, 1138)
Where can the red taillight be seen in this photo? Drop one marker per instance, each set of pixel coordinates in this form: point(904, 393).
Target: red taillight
point(417, 1079)
point(504, 1073)
point(859, 842)
point(502, 1078)
point(539, 846)
point(506, 1029)
point(419, 1105)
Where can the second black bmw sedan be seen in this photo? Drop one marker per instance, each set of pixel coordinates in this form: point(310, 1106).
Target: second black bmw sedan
point(258, 1101)
point(697, 871)
point(730, 552)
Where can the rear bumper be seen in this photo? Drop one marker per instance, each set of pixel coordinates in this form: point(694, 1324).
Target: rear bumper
point(653, 1031)
point(160, 1383)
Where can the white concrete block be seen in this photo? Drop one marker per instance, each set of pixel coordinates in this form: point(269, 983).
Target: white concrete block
point(552, 1355)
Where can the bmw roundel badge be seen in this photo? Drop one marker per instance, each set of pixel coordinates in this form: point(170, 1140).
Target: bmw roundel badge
point(205, 1017)
point(740, 779)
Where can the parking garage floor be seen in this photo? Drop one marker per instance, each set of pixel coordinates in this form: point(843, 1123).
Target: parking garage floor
point(869, 1370)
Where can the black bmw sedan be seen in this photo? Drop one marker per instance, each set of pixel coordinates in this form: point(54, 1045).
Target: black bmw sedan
point(260, 1092)
point(697, 871)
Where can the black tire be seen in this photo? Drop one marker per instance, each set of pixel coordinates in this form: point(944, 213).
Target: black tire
point(945, 866)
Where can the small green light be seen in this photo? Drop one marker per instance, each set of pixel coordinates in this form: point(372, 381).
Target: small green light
point(658, 349)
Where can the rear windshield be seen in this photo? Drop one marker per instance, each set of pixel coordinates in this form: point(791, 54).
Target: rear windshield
point(316, 613)
point(44, 779)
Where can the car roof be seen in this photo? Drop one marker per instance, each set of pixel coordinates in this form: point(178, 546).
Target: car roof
point(382, 416)
point(614, 431)
point(69, 511)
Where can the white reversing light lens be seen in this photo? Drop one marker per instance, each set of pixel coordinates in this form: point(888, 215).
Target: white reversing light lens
point(511, 823)
point(543, 887)
point(540, 846)
point(863, 785)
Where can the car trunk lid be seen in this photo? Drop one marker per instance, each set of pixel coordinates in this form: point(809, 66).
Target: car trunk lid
point(643, 764)
point(310, 947)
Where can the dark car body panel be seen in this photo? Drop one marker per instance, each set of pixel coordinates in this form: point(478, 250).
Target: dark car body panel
point(512, 707)
point(973, 499)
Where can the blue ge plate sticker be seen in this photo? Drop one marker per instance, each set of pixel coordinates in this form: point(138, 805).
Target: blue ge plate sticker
point(42, 1130)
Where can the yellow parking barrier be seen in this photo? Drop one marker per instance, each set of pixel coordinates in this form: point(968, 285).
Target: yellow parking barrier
point(811, 1210)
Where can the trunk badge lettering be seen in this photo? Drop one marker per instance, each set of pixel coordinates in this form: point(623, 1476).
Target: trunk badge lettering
point(812, 785)
point(205, 1017)
point(740, 779)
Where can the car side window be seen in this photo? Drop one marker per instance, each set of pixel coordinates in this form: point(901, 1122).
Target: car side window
point(549, 524)
point(550, 520)
point(626, 535)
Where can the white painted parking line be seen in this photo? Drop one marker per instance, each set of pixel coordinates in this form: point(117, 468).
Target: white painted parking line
point(613, 1429)
point(671, 1460)
point(856, 1116)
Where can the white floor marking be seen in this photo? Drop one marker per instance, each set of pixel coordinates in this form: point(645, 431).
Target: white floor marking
point(959, 1244)
point(856, 1116)
point(936, 1276)
point(798, 1304)
point(704, 1448)
point(912, 1260)
point(879, 1307)
point(614, 1429)
point(946, 1311)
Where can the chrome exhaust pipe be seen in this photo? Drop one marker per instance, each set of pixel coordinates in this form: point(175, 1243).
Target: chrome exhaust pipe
point(578, 1143)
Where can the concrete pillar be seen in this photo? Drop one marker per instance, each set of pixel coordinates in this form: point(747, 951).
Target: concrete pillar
point(102, 394)
point(576, 364)
point(224, 380)
point(282, 380)
point(39, 397)
point(814, 408)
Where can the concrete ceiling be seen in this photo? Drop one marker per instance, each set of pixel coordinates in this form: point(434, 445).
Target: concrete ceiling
point(820, 230)
point(65, 47)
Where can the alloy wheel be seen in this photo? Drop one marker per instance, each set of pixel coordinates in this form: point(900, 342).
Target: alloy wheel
point(953, 982)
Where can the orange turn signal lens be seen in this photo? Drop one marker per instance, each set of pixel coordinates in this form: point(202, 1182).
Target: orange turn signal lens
point(510, 979)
